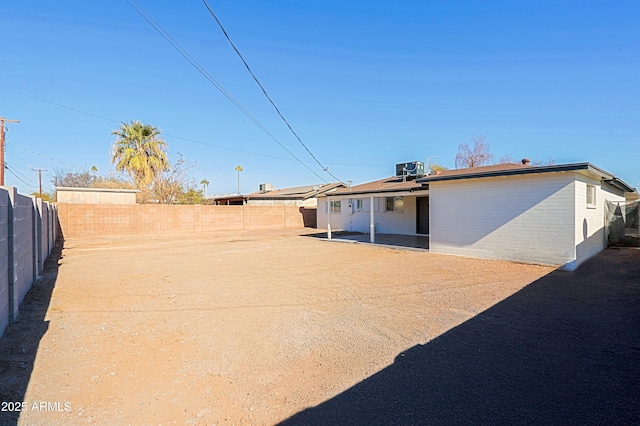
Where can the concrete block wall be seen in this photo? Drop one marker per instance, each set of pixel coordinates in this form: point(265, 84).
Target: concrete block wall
point(523, 218)
point(23, 243)
point(27, 236)
point(4, 259)
point(43, 239)
point(96, 221)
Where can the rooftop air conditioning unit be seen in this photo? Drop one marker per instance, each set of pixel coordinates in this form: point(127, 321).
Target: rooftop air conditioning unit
point(266, 187)
point(413, 169)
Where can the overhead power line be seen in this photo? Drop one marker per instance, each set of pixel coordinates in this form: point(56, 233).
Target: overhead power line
point(22, 178)
point(264, 91)
point(156, 26)
point(60, 105)
point(112, 120)
point(226, 148)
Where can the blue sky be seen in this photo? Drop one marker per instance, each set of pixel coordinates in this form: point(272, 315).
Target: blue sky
point(366, 85)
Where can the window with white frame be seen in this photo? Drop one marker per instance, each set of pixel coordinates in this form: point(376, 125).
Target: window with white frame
point(394, 204)
point(359, 204)
point(336, 206)
point(591, 196)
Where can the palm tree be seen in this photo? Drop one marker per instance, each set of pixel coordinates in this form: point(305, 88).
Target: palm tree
point(140, 152)
point(238, 169)
point(204, 184)
point(94, 170)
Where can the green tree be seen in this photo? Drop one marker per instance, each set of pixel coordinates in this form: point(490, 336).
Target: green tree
point(435, 168)
point(176, 186)
point(190, 196)
point(46, 196)
point(139, 151)
point(204, 184)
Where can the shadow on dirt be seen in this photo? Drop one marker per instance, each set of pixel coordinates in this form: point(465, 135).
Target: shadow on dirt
point(563, 350)
point(21, 339)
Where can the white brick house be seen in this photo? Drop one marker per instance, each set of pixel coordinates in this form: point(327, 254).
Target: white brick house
point(549, 214)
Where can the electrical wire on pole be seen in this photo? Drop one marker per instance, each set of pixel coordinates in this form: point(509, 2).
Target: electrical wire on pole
point(156, 26)
point(2, 136)
point(264, 91)
point(39, 178)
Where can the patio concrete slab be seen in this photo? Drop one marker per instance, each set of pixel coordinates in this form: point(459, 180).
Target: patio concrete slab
point(408, 242)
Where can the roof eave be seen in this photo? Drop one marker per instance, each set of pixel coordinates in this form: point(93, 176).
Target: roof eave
point(510, 172)
point(378, 191)
point(574, 167)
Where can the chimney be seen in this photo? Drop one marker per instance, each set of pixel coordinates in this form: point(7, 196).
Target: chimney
point(526, 161)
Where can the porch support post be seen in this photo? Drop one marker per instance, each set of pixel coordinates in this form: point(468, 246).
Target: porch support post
point(328, 218)
point(372, 222)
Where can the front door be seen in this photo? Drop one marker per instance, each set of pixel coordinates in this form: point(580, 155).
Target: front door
point(422, 215)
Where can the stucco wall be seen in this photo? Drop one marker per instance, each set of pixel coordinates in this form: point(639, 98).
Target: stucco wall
point(350, 219)
point(590, 222)
point(522, 218)
point(94, 196)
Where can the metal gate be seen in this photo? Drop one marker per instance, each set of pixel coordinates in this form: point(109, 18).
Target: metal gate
point(623, 224)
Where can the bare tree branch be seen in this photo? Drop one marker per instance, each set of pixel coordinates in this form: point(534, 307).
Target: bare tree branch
point(479, 155)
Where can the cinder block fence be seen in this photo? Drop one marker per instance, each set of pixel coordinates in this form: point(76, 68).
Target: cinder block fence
point(113, 220)
point(28, 231)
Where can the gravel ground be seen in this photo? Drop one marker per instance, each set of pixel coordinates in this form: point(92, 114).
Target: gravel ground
point(261, 328)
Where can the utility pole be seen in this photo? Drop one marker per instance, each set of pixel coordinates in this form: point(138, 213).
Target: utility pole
point(40, 178)
point(2, 121)
point(238, 169)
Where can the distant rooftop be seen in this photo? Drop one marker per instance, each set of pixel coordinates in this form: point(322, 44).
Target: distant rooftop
point(79, 189)
point(298, 192)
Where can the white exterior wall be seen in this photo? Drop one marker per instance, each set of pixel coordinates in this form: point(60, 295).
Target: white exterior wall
point(527, 218)
point(337, 221)
point(590, 233)
point(350, 219)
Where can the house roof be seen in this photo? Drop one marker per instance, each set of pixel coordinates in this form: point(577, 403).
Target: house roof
point(395, 184)
point(295, 193)
point(520, 169)
point(390, 184)
point(494, 168)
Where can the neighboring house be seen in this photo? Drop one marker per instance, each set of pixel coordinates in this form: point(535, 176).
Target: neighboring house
point(546, 214)
point(95, 195)
point(301, 196)
point(226, 200)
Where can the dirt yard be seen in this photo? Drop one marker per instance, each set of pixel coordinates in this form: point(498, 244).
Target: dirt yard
point(243, 328)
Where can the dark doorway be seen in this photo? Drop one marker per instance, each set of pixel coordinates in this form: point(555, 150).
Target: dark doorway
point(422, 215)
